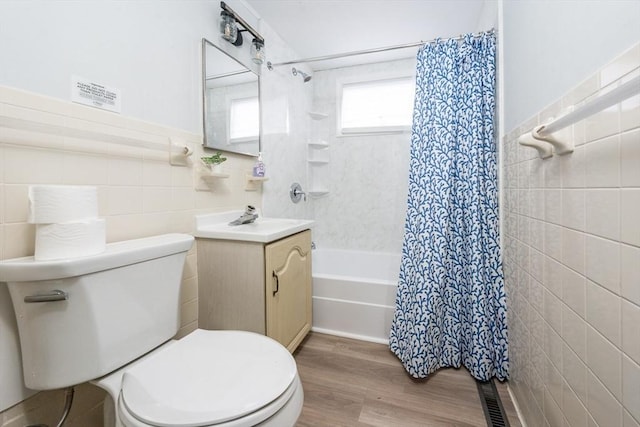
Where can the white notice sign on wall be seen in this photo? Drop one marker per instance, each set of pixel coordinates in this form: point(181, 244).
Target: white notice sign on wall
point(96, 95)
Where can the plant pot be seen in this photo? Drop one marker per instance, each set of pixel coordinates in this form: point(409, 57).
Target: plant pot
point(217, 168)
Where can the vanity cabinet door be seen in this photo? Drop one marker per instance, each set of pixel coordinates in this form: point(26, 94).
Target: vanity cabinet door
point(288, 289)
point(231, 285)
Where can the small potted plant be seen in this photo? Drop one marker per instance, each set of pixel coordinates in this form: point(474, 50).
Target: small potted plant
point(214, 162)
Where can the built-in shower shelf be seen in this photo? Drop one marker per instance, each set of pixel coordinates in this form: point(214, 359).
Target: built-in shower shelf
point(319, 144)
point(318, 192)
point(316, 115)
point(318, 162)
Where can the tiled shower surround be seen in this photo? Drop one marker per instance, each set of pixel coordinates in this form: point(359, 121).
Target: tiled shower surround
point(571, 235)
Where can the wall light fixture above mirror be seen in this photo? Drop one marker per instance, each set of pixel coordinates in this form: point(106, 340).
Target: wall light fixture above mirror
point(229, 31)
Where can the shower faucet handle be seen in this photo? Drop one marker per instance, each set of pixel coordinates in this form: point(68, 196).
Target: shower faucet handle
point(296, 193)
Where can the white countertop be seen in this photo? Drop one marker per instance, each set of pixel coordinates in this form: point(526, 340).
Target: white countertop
point(264, 230)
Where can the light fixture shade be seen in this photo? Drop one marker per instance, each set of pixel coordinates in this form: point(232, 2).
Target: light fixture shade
point(228, 27)
point(257, 51)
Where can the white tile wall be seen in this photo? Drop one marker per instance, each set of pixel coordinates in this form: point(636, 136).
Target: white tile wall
point(572, 265)
point(630, 330)
point(602, 160)
point(629, 153)
point(603, 212)
point(603, 311)
point(630, 273)
point(574, 290)
point(603, 262)
point(573, 211)
point(631, 386)
point(629, 221)
point(139, 192)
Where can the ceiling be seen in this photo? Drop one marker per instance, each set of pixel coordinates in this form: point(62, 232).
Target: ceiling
point(324, 27)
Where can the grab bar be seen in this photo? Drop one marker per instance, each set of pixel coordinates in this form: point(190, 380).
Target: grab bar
point(619, 94)
point(541, 137)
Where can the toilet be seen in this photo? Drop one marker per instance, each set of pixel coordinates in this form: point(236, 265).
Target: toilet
point(110, 318)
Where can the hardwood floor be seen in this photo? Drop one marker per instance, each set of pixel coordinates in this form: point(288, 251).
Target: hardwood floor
point(355, 383)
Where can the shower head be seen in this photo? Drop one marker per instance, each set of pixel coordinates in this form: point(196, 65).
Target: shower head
point(305, 77)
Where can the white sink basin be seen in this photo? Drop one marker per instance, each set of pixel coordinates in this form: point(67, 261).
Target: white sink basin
point(264, 230)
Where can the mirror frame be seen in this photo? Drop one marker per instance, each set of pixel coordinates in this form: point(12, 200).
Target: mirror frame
point(211, 144)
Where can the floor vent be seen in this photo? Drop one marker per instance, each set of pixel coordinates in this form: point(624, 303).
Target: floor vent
point(491, 404)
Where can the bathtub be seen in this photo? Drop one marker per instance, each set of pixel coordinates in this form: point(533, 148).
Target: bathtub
point(354, 293)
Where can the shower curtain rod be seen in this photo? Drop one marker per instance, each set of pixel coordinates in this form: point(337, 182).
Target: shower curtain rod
point(374, 50)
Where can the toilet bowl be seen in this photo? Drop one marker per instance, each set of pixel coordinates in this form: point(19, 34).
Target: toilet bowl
point(110, 318)
point(208, 378)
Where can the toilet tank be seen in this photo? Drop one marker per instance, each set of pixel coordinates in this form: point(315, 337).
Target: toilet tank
point(120, 305)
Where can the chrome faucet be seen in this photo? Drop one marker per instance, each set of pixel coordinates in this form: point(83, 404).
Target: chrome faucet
point(247, 217)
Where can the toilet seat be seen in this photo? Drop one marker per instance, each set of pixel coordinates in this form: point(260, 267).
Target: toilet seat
point(210, 378)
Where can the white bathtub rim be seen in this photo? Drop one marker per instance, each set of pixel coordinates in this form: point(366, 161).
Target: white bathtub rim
point(367, 252)
point(346, 301)
point(357, 279)
point(357, 292)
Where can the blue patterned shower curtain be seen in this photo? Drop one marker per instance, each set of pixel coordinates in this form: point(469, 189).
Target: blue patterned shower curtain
point(450, 305)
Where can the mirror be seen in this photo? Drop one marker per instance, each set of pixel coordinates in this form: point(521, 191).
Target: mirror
point(231, 103)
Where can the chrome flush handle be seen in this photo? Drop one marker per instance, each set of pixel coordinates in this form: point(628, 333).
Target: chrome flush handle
point(55, 295)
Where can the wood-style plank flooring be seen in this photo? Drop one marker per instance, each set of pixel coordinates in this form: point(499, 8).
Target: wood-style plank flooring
point(356, 383)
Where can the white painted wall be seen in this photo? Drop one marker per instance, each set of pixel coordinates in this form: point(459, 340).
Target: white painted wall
point(488, 17)
point(150, 50)
point(551, 45)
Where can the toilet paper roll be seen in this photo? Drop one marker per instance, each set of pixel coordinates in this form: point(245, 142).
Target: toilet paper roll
point(70, 239)
point(62, 203)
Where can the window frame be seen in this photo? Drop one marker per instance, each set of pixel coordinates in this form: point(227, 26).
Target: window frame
point(371, 130)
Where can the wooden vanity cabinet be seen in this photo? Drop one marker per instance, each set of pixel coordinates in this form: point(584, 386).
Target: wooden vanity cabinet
point(258, 287)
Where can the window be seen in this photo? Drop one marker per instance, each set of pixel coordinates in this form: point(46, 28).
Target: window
point(244, 119)
point(377, 106)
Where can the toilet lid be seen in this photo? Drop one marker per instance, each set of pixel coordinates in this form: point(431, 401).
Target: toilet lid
point(208, 377)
